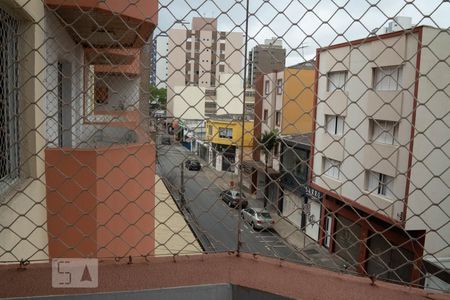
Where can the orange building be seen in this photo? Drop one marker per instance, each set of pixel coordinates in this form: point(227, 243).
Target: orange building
point(298, 99)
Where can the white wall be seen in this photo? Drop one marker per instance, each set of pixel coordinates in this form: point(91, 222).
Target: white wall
point(122, 90)
point(189, 103)
point(23, 210)
point(229, 94)
point(161, 61)
point(60, 47)
point(430, 175)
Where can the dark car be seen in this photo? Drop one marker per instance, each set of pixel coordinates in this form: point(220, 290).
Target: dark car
point(165, 140)
point(234, 198)
point(193, 165)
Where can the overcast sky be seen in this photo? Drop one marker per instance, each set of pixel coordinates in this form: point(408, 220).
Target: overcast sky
point(309, 23)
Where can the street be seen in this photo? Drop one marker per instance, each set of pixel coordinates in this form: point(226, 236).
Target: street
point(215, 224)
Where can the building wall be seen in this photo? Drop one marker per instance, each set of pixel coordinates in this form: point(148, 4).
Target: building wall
point(265, 59)
point(229, 95)
point(122, 91)
point(236, 126)
point(59, 48)
point(298, 101)
point(26, 237)
point(272, 101)
point(354, 148)
point(188, 103)
point(161, 61)
point(430, 172)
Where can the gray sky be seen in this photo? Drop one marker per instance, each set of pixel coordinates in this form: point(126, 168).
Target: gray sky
point(311, 23)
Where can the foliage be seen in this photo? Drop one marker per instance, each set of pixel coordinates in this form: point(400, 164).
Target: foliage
point(158, 96)
point(268, 140)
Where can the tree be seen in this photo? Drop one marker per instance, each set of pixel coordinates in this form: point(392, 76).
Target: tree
point(267, 143)
point(158, 96)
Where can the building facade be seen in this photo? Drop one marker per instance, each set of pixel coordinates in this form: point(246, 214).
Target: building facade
point(377, 124)
point(227, 140)
point(200, 60)
point(265, 58)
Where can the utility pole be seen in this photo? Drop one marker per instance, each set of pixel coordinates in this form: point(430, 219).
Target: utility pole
point(182, 199)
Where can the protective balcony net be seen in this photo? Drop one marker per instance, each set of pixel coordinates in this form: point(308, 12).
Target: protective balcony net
point(316, 132)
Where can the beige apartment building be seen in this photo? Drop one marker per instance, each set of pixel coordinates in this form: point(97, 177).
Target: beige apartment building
point(201, 60)
point(380, 154)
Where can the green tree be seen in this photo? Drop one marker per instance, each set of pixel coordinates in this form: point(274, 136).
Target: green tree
point(267, 142)
point(158, 96)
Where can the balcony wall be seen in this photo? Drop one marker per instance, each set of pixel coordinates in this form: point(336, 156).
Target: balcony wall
point(102, 194)
point(381, 158)
point(99, 198)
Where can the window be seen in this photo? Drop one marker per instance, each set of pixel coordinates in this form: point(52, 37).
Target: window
point(331, 168)
point(334, 124)
point(277, 117)
point(380, 184)
point(267, 86)
point(387, 78)
point(336, 81)
point(384, 132)
point(9, 110)
point(221, 68)
point(266, 115)
point(279, 86)
point(226, 133)
point(327, 231)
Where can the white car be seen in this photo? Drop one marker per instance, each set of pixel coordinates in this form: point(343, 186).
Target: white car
point(258, 218)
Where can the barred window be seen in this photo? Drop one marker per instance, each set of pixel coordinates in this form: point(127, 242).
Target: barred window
point(9, 126)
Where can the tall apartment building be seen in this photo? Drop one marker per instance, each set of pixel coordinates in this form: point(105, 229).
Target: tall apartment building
point(159, 60)
point(266, 58)
point(200, 60)
point(381, 161)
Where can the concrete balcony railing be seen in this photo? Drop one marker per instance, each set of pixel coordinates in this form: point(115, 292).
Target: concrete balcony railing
point(100, 194)
point(122, 24)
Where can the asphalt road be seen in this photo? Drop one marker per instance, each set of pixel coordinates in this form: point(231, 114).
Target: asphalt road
point(213, 221)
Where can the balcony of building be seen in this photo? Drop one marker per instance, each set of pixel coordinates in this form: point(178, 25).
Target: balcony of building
point(107, 24)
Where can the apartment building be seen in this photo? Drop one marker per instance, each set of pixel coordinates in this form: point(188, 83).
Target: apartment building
point(286, 107)
point(74, 95)
point(380, 151)
point(265, 58)
point(200, 60)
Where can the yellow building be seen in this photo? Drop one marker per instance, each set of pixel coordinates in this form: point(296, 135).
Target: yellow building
point(227, 139)
point(298, 99)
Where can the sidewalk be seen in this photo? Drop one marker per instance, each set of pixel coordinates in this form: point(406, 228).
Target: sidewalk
point(311, 251)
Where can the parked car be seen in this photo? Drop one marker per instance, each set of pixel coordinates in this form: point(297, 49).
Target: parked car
point(193, 165)
point(234, 198)
point(165, 140)
point(258, 218)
